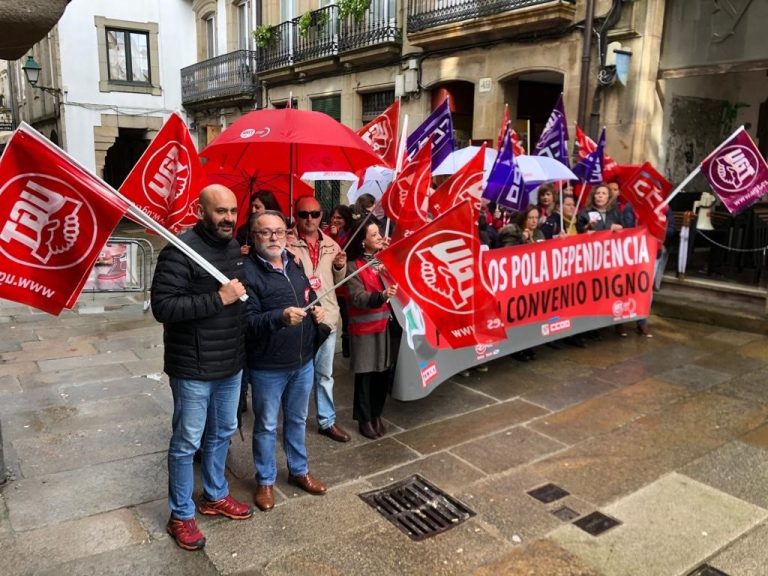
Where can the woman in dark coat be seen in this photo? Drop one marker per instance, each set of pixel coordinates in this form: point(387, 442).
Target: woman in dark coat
point(371, 348)
point(601, 212)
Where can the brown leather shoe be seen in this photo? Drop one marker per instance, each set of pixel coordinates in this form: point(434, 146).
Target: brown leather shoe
point(308, 484)
point(335, 432)
point(367, 430)
point(378, 425)
point(263, 498)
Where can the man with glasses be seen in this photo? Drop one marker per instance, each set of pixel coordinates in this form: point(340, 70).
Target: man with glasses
point(280, 344)
point(326, 265)
point(203, 331)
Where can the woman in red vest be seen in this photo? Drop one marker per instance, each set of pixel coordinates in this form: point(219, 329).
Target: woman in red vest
point(372, 352)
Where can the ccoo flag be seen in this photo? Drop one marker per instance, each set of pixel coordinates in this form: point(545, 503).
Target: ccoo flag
point(554, 136)
point(737, 172)
point(505, 184)
point(589, 170)
point(438, 127)
point(165, 182)
point(55, 218)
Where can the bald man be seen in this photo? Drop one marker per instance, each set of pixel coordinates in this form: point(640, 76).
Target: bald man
point(203, 334)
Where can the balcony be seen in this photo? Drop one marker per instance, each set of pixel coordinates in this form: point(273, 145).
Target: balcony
point(329, 40)
point(442, 23)
point(229, 78)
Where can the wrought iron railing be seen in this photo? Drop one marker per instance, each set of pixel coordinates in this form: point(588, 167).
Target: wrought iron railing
point(377, 26)
point(321, 38)
point(278, 53)
point(225, 76)
point(424, 14)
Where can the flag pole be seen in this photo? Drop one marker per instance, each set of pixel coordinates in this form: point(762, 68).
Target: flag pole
point(693, 174)
point(344, 281)
point(562, 224)
point(140, 216)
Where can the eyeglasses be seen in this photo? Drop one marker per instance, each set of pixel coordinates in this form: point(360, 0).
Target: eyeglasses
point(267, 233)
point(306, 214)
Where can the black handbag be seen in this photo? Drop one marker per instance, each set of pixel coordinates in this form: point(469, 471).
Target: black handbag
point(322, 331)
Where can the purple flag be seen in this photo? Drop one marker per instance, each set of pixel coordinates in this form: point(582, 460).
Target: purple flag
point(552, 140)
point(438, 126)
point(590, 169)
point(737, 172)
point(505, 184)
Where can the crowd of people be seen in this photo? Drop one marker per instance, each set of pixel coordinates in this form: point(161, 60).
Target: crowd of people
point(273, 329)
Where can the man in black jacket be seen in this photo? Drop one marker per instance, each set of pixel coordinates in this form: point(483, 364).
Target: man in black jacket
point(281, 348)
point(203, 334)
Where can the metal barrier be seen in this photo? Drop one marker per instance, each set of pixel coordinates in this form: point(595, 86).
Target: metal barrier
point(124, 265)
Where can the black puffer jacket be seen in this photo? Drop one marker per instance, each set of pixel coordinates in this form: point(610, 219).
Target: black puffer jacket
point(271, 345)
point(204, 340)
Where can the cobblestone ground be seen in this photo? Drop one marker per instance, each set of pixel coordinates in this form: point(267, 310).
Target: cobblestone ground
point(666, 435)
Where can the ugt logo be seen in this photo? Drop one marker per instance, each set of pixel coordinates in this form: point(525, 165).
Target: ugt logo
point(734, 168)
point(167, 175)
point(50, 225)
point(441, 265)
point(379, 137)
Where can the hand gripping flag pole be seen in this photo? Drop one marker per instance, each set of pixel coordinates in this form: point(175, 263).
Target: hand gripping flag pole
point(342, 282)
point(137, 213)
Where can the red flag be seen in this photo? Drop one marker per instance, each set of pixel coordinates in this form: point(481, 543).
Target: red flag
point(466, 184)
point(437, 266)
point(646, 189)
point(737, 172)
point(405, 201)
point(165, 182)
point(55, 219)
point(381, 133)
point(585, 146)
point(517, 145)
point(504, 126)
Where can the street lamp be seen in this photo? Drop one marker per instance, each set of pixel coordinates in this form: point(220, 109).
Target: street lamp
point(32, 72)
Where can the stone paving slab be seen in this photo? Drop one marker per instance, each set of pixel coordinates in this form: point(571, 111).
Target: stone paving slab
point(540, 558)
point(457, 430)
point(80, 375)
point(747, 556)
point(47, 350)
point(112, 388)
point(506, 450)
point(9, 384)
point(606, 467)
point(757, 349)
point(694, 377)
point(443, 469)
point(36, 550)
point(158, 558)
point(750, 386)
point(153, 517)
point(608, 412)
point(667, 527)
point(383, 550)
point(119, 357)
point(46, 500)
point(736, 468)
point(648, 364)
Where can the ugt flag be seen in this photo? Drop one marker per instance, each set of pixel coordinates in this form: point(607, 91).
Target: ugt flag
point(381, 134)
point(438, 127)
point(437, 267)
point(552, 140)
point(737, 172)
point(55, 217)
point(505, 184)
point(646, 190)
point(405, 201)
point(589, 170)
point(165, 182)
point(465, 184)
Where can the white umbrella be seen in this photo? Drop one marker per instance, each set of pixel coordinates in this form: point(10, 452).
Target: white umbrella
point(456, 160)
point(539, 169)
point(375, 181)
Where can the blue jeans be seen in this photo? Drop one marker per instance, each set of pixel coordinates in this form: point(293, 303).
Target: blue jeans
point(270, 390)
point(197, 403)
point(326, 411)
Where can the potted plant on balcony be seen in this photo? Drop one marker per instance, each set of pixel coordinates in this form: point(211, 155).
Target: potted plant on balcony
point(264, 35)
point(312, 20)
point(354, 8)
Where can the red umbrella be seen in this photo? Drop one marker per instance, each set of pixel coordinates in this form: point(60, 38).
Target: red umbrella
point(287, 141)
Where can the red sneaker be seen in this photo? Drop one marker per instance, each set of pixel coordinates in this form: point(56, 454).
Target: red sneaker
point(186, 533)
point(227, 506)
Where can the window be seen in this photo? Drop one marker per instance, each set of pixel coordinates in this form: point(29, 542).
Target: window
point(244, 25)
point(331, 105)
point(128, 56)
point(374, 103)
point(210, 36)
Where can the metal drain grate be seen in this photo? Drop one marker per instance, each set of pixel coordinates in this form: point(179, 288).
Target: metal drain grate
point(418, 507)
point(707, 570)
point(565, 514)
point(548, 493)
point(596, 523)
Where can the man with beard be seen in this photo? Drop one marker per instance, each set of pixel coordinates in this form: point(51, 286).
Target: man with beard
point(281, 347)
point(203, 334)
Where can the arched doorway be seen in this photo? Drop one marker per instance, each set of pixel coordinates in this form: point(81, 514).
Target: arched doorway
point(462, 104)
point(531, 97)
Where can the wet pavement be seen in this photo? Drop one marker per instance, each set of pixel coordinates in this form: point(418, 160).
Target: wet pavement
point(667, 435)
